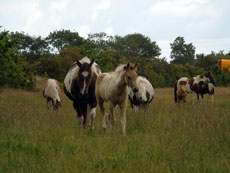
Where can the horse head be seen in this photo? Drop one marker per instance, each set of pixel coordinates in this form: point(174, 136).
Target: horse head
point(84, 77)
point(210, 77)
point(57, 105)
point(131, 76)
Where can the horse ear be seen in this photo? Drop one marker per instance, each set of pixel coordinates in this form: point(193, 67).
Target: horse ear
point(135, 65)
point(126, 67)
point(91, 63)
point(79, 63)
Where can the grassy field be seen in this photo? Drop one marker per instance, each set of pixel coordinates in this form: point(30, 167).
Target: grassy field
point(165, 138)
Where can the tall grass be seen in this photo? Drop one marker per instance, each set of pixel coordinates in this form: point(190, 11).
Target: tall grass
point(164, 138)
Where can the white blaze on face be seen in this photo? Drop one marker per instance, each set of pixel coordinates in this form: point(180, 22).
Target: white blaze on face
point(83, 89)
point(84, 74)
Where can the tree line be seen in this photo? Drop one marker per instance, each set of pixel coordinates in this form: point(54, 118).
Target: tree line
point(23, 56)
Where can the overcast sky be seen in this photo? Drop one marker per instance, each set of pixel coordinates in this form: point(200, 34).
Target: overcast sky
point(205, 23)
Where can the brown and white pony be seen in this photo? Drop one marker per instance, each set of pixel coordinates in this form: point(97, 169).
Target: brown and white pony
point(112, 87)
point(51, 93)
point(145, 93)
point(181, 93)
point(194, 84)
point(79, 86)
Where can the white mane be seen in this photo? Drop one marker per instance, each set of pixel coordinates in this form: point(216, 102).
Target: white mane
point(120, 68)
point(94, 66)
point(73, 72)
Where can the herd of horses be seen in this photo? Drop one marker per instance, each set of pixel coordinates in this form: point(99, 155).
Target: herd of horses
point(87, 86)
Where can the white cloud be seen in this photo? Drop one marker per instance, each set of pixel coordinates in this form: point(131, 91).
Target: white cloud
point(165, 47)
point(184, 9)
point(208, 45)
point(109, 31)
point(83, 30)
point(104, 5)
point(161, 20)
point(57, 6)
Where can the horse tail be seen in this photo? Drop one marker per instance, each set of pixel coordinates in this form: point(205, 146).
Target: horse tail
point(175, 90)
point(43, 93)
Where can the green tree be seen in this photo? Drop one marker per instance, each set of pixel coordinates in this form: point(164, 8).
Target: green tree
point(207, 62)
point(31, 48)
point(14, 71)
point(136, 45)
point(100, 41)
point(181, 52)
point(64, 38)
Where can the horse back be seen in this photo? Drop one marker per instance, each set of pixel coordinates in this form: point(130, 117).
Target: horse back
point(108, 90)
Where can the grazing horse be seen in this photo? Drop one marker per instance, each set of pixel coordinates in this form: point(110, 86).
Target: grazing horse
point(79, 86)
point(194, 84)
point(208, 88)
point(144, 95)
point(181, 93)
point(112, 87)
point(51, 94)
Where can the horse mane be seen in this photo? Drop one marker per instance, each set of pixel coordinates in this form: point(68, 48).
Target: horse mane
point(95, 67)
point(142, 79)
point(120, 68)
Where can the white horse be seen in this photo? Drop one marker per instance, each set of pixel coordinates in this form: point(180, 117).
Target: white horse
point(144, 95)
point(51, 93)
point(112, 87)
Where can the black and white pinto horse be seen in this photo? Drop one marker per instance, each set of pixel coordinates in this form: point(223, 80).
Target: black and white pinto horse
point(79, 86)
point(194, 84)
point(145, 93)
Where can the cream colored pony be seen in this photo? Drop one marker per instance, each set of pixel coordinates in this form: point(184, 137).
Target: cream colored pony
point(112, 87)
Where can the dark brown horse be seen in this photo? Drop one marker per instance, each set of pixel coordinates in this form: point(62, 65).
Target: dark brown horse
point(79, 86)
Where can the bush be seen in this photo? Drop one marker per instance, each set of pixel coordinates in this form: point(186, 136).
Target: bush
point(14, 71)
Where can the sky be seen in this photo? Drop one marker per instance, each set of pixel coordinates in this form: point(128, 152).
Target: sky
point(204, 23)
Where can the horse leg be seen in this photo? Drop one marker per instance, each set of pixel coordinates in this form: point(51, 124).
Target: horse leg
point(135, 108)
point(112, 118)
point(92, 114)
point(193, 98)
point(123, 116)
point(79, 114)
point(102, 110)
point(198, 98)
point(202, 96)
point(84, 113)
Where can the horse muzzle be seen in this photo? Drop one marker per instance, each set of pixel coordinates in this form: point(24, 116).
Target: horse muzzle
point(135, 90)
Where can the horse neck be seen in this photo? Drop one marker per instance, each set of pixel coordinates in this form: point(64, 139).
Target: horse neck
point(56, 95)
point(121, 80)
point(196, 79)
